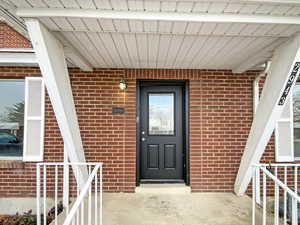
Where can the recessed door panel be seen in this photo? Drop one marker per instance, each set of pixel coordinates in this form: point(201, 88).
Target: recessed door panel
point(170, 156)
point(153, 156)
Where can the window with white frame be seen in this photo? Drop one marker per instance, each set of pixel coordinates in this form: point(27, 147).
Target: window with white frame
point(22, 119)
point(296, 120)
point(287, 131)
point(12, 98)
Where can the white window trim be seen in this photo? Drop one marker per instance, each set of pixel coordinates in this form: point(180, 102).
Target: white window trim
point(34, 118)
point(14, 158)
point(287, 120)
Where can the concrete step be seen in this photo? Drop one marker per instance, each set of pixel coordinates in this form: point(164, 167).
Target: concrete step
point(163, 189)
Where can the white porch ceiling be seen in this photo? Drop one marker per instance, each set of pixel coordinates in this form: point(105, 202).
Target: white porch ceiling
point(169, 44)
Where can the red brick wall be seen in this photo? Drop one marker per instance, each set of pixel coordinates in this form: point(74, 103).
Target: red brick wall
point(220, 119)
point(220, 114)
point(9, 38)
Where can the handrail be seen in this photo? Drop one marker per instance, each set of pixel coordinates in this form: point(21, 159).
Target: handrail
point(277, 164)
point(281, 184)
point(81, 196)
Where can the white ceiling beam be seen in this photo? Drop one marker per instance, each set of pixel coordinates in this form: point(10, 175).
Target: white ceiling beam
point(156, 16)
point(258, 58)
point(73, 54)
point(52, 63)
point(282, 77)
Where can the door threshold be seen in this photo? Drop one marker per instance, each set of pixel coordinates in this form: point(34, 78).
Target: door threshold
point(161, 181)
point(166, 188)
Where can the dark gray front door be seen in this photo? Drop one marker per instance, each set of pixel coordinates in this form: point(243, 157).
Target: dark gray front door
point(161, 133)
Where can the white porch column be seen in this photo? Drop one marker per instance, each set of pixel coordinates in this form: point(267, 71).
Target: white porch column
point(278, 85)
point(51, 59)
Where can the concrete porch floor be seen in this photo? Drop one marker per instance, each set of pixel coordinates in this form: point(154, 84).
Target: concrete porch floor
point(182, 208)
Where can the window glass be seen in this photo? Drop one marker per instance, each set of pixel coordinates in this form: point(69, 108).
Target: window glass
point(296, 109)
point(161, 114)
point(11, 117)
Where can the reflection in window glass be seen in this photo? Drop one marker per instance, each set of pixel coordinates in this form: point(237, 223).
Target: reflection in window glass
point(11, 117)
point(161, 114)
point(296, 105)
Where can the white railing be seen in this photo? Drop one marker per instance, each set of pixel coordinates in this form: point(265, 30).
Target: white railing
point(63, 200)
point(277, 185)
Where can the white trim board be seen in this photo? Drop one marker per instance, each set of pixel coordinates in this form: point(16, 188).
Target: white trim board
point(156, 16)
point(8, 57)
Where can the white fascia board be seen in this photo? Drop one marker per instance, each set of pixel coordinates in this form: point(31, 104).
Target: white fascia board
point(52, 63)
point(283, 74)
point(156, 16)
point(284, 2)
point(17, 57)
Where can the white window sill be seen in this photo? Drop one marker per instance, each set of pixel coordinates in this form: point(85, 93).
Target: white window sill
point(11, 158)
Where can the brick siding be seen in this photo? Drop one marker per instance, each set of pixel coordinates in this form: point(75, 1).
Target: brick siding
point(9, 38)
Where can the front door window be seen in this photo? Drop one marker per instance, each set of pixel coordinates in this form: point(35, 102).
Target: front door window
point(161, 114)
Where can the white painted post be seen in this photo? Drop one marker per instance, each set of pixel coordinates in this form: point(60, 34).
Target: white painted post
point(51, 59)
point(281, 79)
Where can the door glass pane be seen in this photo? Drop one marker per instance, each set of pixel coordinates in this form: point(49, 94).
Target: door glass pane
point(296, 106)
point(161, 114)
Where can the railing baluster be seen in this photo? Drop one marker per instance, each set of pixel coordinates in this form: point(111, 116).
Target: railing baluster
point(295, 203)
point(45, 194)
point(38, 195)
point(82, 213)
point(101, 196)
point(90, 201)
point(66, 180)
point(285, 198)
point(66, 192)
point(55, 195)
point(77, 192)
point(257, 194)
point(253, 194)
point(96, 198)
point(276, 203)
point(294, 212)
point(264, 200)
